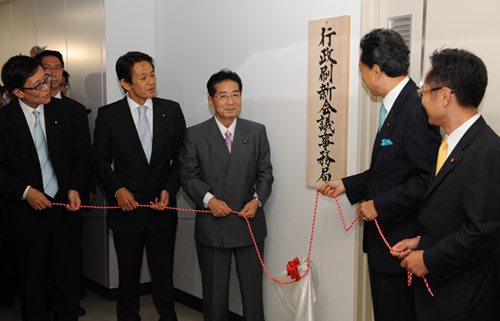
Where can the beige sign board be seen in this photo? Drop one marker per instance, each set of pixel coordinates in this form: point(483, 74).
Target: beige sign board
point(327, 99)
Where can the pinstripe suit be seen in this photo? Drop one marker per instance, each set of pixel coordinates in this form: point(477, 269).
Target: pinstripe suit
point(396, 182)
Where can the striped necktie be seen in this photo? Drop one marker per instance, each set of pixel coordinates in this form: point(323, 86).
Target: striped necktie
point(50, 186)
point(145, 132)
point(229, 143)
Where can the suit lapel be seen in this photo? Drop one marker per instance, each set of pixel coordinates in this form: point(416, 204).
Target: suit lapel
point(159, 127)
point(124, 117)
point(51, 127)
point(20, 128)
point(238, 151)
point(457, 155)
point(216, 141)
point(392, 118)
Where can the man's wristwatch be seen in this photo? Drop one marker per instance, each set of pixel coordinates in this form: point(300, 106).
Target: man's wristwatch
point(258, 201)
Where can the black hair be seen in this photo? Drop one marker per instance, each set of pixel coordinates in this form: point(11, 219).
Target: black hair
point(125, 64)
point(17, 70)
point(47, 53)
point(66, 76)
point(387, 49)
point(224, 74)
point(461, 71)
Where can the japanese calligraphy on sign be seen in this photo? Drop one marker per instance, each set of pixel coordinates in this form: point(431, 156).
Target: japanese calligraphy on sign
point(327, 99)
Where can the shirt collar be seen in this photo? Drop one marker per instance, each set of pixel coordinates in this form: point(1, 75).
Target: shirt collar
point(223, 129)
point(28, 111)
point(133, 105)
point(458, 133)
point(391, 97)
point(58, 95)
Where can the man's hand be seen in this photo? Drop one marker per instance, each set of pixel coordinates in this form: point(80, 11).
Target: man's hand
point(126, 200)
point(218, 208)
point(74, 201)
point(35, 50)
point(367, 211)
point(405, 247)
point(414, 263)
point(250, 209)
point(162, 203)
point(37, 199)
point(332, 187)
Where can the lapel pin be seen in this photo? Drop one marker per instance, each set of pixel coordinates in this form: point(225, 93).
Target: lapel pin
point(55, 122)
point(388, 124)
point(163, 115)
point(452, 160)
point(244, 141)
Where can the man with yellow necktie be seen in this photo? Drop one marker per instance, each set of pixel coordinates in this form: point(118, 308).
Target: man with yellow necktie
point(459, 218)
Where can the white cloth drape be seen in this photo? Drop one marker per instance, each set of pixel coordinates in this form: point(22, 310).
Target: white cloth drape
point(300, 296)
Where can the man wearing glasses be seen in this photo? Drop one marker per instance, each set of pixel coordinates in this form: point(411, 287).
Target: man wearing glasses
point(403, 157)
point(44, 159)
point(226, 166)
point(459, 221)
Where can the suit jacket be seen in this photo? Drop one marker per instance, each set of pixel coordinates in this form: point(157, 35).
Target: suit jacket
point(69, 152)
point(397, 178)
point(459, 225)
point(207, 166)
point(83, 112)
point(117, 142)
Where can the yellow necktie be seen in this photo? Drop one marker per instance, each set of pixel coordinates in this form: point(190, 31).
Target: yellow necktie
point(443, 150)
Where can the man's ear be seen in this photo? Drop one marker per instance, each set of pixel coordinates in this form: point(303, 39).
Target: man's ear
point(210, 102)
point(18, 92)
point(125, 84)
point(377, 72)
point(445, 95)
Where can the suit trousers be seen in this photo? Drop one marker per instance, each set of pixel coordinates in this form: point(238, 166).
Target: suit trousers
point(52, 259)
point(160, 255)
point(215, 265)
point(392, 298)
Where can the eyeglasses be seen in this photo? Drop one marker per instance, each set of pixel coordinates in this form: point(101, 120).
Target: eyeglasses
point(49, 68)
point(223, 98)
point(421, 91)
point(65, 85)
point(39, 86)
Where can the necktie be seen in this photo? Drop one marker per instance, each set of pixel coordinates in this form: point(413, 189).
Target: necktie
point(229, 143)
point(383, 112)
point(145, 132)
point(49, 179)
point(443, 150)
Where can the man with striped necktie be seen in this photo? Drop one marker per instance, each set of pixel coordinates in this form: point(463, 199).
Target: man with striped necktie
point(44, 159)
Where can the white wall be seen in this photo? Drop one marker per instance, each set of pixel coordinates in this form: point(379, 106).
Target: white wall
point(476, 31)
point(265, 42)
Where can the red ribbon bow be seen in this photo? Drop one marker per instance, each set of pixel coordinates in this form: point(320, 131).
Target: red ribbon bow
point(292, 269)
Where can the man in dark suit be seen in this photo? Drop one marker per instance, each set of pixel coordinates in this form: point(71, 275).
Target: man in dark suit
point(142, 137)
point(459, 221)
point(403, 156)
point(44, 158)
point(226, 166)
point(53, 64)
